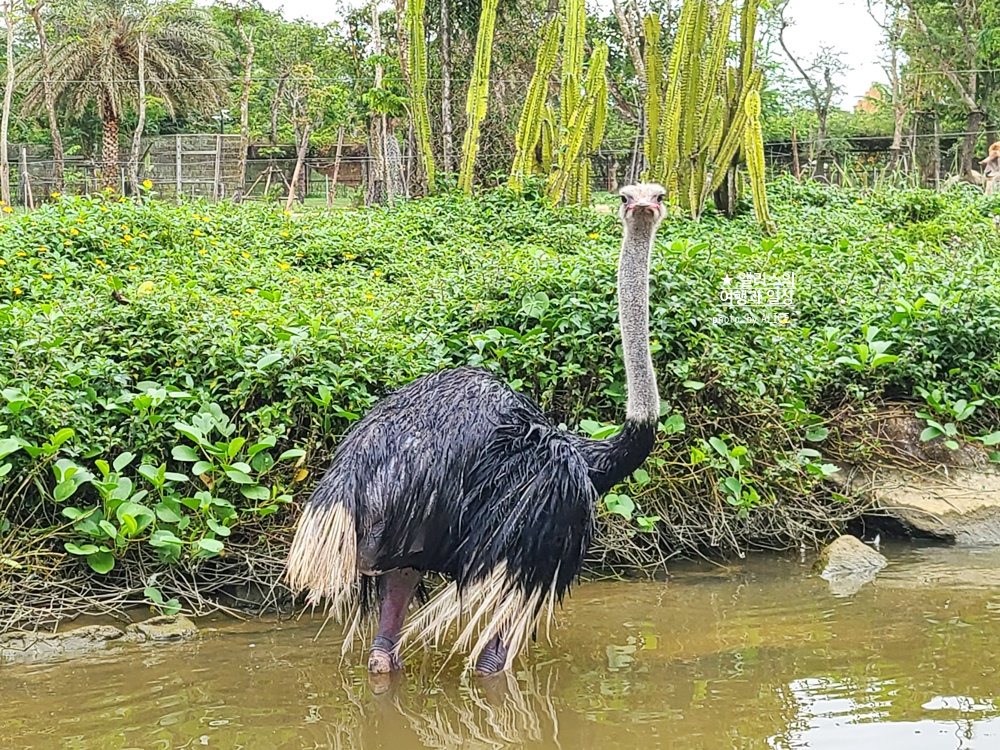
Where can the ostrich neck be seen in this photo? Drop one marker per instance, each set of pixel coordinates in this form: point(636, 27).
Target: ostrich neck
point(633, 316)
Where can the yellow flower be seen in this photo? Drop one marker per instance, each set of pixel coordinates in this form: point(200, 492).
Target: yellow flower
point(46, 276)
point(202, 251)
point(123, 227)
point(147, 184)
point(109, 190)
point(212, 384)
point(197, 216)
point(99, 262)
point(251, 290)
point(56, 194)
point(236, 313)
point(206, 219)
point(68, 243)
point(378, 273)
point(369, 297)
point(198, 233)
point(284, 234)
point(74, 231)
point(245, 254)
point(132, 268)
point(348, 256)
point(146, 286)
point(104, 208)
point(215, 243)
point(42, 249)
point(8, 210)
point(284, 266)
point(298, 255)
point(287, 213)
point(593, 235)
point(20, 254)
point(3, 262)
point(127, 238)
point(144, 236)
point(79, 220)
point(17, 290)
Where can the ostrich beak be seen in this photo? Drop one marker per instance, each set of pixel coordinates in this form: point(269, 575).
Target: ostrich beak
point(645, 204)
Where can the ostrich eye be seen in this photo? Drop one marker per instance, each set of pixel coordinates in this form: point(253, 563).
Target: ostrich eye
point(659, 198)
point(625, 199)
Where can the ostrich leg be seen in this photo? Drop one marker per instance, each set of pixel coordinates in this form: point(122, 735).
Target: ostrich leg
point(396, 591)
point(493, 658)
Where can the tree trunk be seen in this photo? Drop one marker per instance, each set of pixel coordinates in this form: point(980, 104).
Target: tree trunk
point(726, 196)
point(332, 193)
point(447, 128)
point(300, 157)
point(822, 157)
point(140, 125)
point(109, 150)
point(241, 179)
point(796, 163)
point(927, 149)
point(8, 17)
point(967, 160)
point(58, 156)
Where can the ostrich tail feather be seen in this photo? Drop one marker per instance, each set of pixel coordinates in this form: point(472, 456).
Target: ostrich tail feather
point(494, 604)
point(324, 558)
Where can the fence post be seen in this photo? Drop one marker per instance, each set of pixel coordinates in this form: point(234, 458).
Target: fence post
point(218, 168)
point(25, 179)
point(927, 148)
point(177, 168)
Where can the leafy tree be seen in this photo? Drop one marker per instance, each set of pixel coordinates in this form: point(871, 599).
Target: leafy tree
point(96, 63)
point(956, 44)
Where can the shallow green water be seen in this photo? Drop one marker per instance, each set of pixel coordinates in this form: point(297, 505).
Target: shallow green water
point(759, 655)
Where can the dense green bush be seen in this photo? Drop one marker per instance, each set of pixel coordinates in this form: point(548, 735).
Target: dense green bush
point(174, 375)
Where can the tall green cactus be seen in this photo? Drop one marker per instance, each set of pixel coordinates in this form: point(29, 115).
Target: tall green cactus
point(479, 89)
point(697, 111)
point(753, 145)
point(418, 87)
point(566, 145)
point(570, 179)
point(529, 127)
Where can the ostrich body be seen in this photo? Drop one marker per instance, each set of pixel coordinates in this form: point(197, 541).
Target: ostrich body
point(457, 473)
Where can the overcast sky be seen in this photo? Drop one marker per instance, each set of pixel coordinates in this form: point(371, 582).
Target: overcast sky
point(842, 24)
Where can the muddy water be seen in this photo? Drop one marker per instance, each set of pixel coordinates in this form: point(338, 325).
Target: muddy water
point(759, 655)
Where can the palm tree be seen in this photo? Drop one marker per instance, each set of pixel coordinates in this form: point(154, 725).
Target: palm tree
point(96, 62)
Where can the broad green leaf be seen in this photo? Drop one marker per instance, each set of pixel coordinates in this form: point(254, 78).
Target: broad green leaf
point(123, 460)
point(101, 562)
point(83, 549)
point(268, 359)
point(817, 434)
point(239, 477)
point(293, 453)
point(211, 545)
point(64, 490)
point(255, 492)
point(185, 453)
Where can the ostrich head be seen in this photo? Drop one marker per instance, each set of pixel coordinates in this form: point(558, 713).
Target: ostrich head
point(643, 202)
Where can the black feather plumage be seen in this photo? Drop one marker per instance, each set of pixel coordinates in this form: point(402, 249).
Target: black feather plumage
point(456, 473)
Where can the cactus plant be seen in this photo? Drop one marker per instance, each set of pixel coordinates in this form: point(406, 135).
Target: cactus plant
point(698, 111)
point(533, 116)
point(479, 88)
point(417, 54)
point(566, 145)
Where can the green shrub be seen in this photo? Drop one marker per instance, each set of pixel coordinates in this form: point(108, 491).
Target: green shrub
point(175, 375)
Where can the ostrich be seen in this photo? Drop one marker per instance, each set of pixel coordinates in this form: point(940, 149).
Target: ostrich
point(457, 473)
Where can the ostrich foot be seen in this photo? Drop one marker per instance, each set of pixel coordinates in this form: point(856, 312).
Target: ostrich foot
point(382, 657)
point(493, 658)
point(396, 590)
